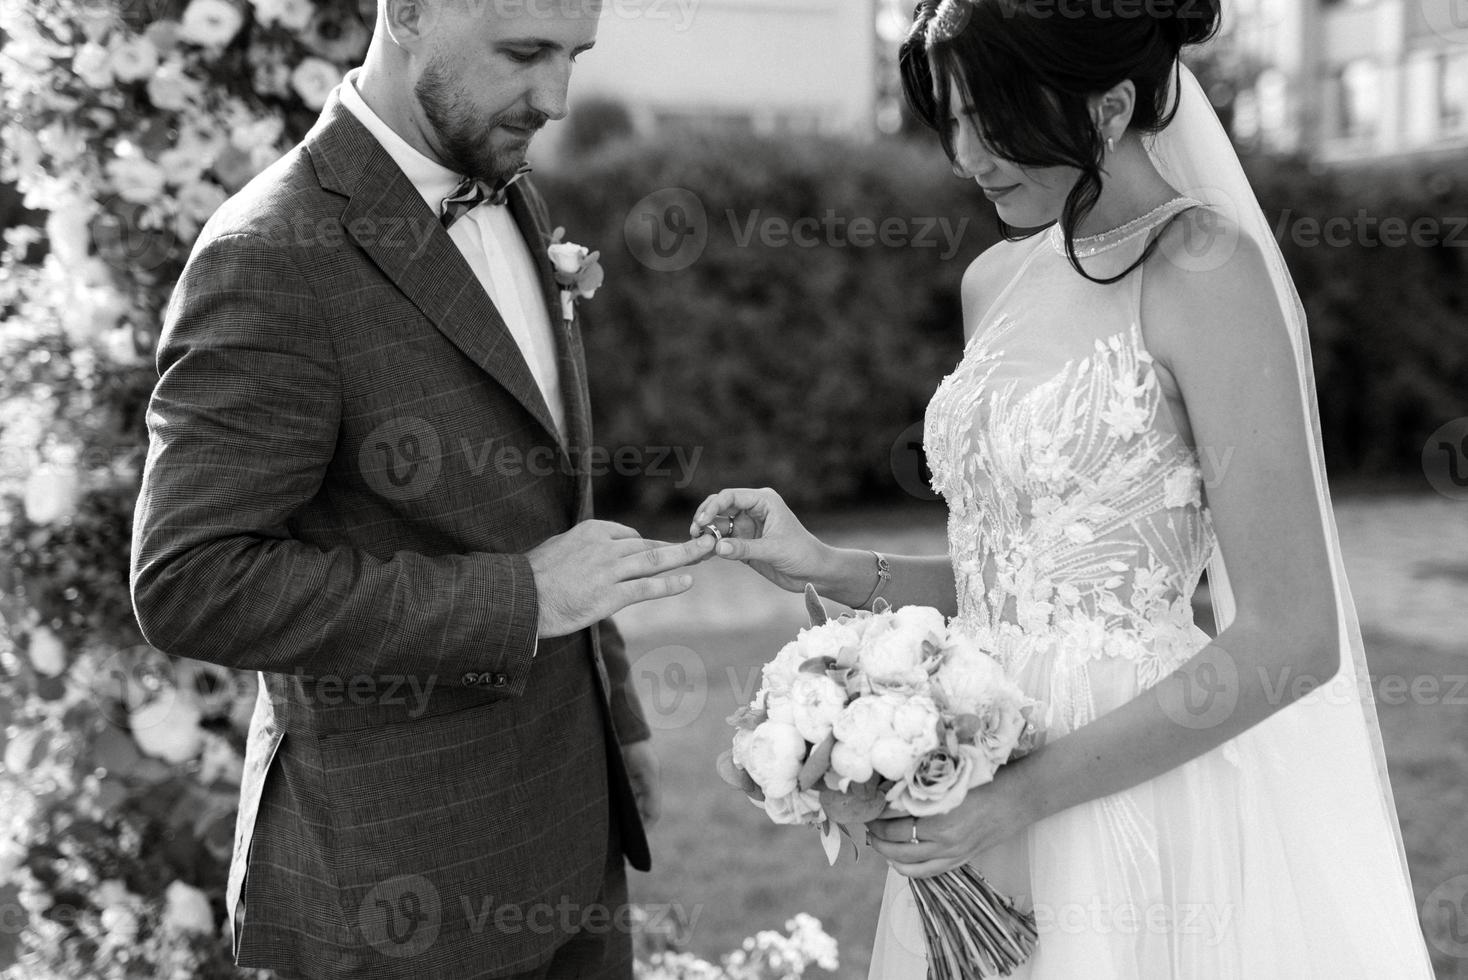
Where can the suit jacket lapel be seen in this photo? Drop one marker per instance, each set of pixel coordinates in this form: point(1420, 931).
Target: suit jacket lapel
point(570, 357)
point(387, 217)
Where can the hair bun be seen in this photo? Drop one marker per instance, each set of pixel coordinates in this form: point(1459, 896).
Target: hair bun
point(1186, 22)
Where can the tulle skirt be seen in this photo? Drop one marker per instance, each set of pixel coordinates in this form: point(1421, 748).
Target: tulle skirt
point(1198, 874)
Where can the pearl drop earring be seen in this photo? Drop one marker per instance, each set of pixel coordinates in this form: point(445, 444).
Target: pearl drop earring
point(1110, 144)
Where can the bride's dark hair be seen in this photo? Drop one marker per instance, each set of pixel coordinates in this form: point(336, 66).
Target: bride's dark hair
point(1027, 68)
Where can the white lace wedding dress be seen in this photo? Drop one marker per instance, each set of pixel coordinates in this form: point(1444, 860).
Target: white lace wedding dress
point(1078, 528)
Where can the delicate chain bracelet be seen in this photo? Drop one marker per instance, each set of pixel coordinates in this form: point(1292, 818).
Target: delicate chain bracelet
point(884, 575)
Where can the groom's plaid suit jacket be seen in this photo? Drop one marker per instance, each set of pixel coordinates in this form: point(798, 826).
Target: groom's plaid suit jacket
point(349, 460)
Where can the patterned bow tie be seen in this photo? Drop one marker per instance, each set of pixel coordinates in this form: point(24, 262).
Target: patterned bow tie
point(472, 192)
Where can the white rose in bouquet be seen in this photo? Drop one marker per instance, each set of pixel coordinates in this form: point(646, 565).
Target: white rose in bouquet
point(799, 807)
point(816, 702)
point(772, 757)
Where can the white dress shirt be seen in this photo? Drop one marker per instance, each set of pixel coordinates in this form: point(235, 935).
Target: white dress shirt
point(492, 245)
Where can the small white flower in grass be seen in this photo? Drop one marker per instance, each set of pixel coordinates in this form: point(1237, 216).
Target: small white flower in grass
point(211, 23)
point(313, 79)
point(187, 910)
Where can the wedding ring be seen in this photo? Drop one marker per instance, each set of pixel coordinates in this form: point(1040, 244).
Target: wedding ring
point(914, 838)
point(730, 533)
point(713, 529)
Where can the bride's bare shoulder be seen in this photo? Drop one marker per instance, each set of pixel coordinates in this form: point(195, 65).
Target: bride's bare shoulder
point(986, 278)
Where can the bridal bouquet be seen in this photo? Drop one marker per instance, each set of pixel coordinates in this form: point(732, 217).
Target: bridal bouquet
point(890, 708)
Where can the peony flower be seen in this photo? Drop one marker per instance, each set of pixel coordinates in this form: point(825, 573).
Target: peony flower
point(781, 672)
point(849, 762)
point(968, 676)
point(894, 757)
point(798, 807)
point(926, 620)
point(51, 493)
point(187, 910)
point(211, 23)
point(293, 15)
point(891, 660)
point(916, 720)
point(864, 721)
point(314, 79)
point(834, 639)
point(133, 59)
point(171, 88)
point(940, 780)
point(773, 756)
point(167, 729)
point(816, 703)
point(46, 651)
point(741, 747)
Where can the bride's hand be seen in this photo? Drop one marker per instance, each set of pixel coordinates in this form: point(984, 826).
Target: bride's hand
point(766, 536)
point(987, 815)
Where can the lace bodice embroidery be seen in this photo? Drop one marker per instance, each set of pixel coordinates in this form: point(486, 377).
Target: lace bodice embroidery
point(1076, 509)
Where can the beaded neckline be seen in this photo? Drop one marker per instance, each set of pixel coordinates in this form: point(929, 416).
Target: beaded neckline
point(1089, 245)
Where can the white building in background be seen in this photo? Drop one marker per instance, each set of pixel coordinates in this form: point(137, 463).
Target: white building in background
point(764, 66)
point(1351, 80)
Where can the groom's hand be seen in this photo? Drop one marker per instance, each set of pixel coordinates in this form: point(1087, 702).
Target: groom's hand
point(597, 568)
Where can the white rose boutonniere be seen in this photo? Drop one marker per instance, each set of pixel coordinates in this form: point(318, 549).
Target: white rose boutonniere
point(578, 272)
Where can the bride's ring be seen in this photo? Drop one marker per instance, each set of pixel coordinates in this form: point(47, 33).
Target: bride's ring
point(914, 838)
point(713, 529)
point(729, 533)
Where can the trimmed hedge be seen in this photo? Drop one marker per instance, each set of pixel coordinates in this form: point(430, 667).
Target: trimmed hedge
point(806, 368)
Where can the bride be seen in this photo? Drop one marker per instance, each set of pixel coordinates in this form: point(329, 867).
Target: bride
point(1134, 404)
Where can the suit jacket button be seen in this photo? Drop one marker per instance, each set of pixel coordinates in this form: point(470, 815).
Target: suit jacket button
point(470, 679)
point(500, 680)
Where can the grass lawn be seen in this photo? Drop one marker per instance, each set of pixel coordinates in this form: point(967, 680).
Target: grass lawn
point(733, 873)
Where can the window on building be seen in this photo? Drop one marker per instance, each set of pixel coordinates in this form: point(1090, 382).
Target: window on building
point(1360, 99)
point(1453, 92)
point(1420, 111)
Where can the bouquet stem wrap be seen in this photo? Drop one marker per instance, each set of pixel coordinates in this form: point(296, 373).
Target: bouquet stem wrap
point(971, 929)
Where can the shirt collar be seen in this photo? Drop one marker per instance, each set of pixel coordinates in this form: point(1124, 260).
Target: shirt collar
point(431, 179)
